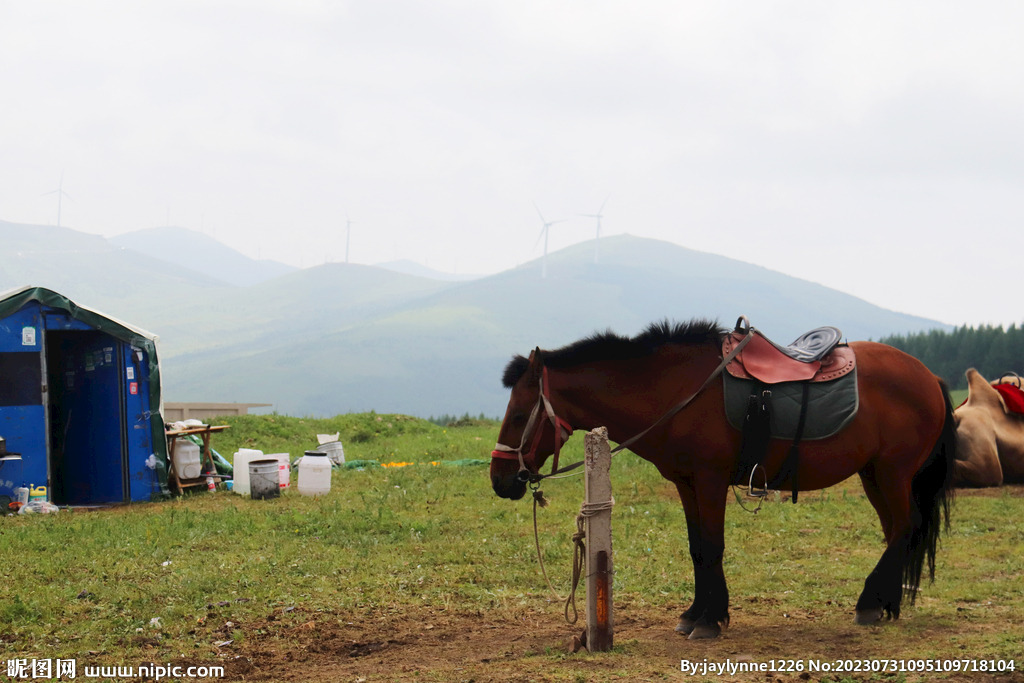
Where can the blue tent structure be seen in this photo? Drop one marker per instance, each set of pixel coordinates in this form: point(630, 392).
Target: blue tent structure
point(80, 401)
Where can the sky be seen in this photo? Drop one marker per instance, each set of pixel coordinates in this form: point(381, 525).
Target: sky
point(872, 147)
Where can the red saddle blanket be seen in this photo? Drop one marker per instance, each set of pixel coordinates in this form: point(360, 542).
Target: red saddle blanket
point(760, 360)
point(1013, 397)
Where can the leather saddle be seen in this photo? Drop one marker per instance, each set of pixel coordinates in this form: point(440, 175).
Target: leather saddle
point(816, 356)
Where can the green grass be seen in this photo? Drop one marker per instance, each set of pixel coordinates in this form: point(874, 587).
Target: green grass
point(398, 540)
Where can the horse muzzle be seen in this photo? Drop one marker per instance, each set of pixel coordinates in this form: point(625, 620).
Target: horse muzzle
point(509, 484)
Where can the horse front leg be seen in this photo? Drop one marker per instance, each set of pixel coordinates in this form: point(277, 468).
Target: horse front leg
point(710, 609)
point(688, 619)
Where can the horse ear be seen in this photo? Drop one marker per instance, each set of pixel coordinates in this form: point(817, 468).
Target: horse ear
point(536, 363)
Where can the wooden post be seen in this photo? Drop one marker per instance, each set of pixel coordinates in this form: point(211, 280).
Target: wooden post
point(598, 490)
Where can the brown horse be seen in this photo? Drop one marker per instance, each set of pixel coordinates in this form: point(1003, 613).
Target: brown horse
point(902, 444)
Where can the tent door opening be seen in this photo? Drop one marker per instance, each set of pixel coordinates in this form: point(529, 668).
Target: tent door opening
point(88, 456)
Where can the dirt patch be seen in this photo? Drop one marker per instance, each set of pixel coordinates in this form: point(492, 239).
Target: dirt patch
point(534, 645)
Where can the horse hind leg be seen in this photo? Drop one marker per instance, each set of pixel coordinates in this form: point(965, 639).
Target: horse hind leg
point(916, 503)
point(867, 611)
point(874, 493)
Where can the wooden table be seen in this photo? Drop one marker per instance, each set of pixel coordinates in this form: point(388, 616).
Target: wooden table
point(206, 457)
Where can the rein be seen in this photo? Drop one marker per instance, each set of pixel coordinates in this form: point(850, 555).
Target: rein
point(563, 430)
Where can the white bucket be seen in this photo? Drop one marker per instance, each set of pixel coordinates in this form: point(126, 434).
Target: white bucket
point(284, 468)
point(314, 474)
point(187, 463)
point(240, 463)
point(263, 479)
point(334, 451)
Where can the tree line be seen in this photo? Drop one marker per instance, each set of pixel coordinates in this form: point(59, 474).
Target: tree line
point(990, 350)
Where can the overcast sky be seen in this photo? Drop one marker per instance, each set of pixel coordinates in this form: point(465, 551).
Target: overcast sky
point(876, 148)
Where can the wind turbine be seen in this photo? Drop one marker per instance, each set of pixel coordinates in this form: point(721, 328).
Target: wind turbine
point(544, 234)
point(598, 216)
point(60, 193)
point(348, 233)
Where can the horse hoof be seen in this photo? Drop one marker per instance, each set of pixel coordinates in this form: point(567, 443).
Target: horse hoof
point(703, 631)
point(866, 617)
point(685, 626)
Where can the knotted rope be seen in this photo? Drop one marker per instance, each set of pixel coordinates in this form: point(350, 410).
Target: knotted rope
point(579, 552)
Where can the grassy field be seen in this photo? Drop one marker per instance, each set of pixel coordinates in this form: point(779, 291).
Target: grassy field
point(421, 573)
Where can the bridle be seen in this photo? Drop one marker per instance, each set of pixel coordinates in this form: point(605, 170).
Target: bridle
point(563, 430)
point(535, 429)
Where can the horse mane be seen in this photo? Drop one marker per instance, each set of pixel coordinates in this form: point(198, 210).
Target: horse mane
point(607, 345)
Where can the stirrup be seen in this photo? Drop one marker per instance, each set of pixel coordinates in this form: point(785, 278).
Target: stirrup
point(752, 490)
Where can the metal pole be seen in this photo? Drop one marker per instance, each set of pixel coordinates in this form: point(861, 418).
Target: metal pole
point(598, 491)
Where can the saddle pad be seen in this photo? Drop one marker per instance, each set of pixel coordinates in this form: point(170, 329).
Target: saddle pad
point(830, 405)
point(1012, 397)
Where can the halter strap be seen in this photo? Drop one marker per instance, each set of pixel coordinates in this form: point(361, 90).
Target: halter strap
point(563, 430)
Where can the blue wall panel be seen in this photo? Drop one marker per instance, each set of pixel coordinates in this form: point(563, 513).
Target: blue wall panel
point(24, 427)
point(59, 320)
point(143, 482)
point(18, 327)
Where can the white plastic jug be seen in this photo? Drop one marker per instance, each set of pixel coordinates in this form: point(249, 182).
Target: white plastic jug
point(187, 463)
point(240, 472)
point(314, 474)
point(284, 468)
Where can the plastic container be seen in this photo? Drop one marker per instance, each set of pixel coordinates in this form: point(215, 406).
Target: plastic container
point(240, 463)
point(37, 493)
point(284, 469)
point(187, 462)
point(263, 479)
point(314, 474)
point(334, 450)
point(21, 494)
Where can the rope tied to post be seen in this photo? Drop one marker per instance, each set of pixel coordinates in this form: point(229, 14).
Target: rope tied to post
point(579, 550)
point(579, 553)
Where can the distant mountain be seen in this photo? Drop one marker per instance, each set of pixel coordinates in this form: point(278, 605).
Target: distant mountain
point(88, 269)
point(301, 306)
point(443, 352)
point(202, 253)
point(345, 337)
point(412, 268)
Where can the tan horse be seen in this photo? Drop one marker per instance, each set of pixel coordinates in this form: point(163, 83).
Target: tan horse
point(990, 439)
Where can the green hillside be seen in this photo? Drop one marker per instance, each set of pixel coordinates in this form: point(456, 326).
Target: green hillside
point(297, 307)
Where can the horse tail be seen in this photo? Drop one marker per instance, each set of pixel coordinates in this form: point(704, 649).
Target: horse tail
point(932, 491)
